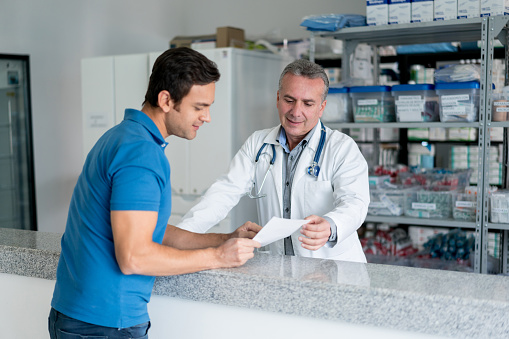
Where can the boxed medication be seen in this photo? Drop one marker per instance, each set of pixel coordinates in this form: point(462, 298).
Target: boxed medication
point(377, 12)
point(422, 10)
point(338, 108)
point(372, 104)
point(399, 12)
point(458, 101)
point(445, 10)
point(469, 9)
point(415, 102)
point(418, 134)
point(494, 7)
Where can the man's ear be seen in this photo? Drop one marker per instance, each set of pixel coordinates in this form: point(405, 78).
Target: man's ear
point(164, 101)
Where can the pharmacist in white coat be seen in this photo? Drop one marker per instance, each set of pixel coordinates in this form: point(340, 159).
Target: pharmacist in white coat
point(299, 170)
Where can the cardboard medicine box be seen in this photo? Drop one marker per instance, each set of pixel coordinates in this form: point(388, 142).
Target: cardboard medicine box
point(224, 37)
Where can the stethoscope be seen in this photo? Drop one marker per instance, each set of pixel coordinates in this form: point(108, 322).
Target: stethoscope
point(312, 170)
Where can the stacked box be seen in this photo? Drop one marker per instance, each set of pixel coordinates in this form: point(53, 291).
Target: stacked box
point(494, 244)
point(462, 134)
point(469, 9)
point(422, 10)
point(494, 7)
point(399, 12)
point(377, 12)
point(445, 10)
point(420, 235)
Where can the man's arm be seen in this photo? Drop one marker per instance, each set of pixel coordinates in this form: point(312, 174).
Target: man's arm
point(186, 240)
point(137, 253)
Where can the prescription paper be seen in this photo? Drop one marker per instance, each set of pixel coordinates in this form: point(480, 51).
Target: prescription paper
point(278, 228)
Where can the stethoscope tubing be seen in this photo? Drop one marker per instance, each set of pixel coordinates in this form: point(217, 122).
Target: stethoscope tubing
point(313, 170)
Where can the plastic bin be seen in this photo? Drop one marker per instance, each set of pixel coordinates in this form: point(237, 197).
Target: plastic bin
point(389, 200)
point(464, 206)
point(499, 204)
point(437, 178)
point(416, 102)
point(500, 109)
point(338, 108)
point(429, 204)
point(458, 101)
point(372, 104)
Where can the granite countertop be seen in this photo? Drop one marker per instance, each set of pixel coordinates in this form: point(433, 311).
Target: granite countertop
point(456, 304)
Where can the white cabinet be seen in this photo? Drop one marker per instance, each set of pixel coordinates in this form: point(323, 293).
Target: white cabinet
point(109, 85)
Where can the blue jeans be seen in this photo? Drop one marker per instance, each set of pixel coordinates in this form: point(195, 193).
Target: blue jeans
point(63, 327)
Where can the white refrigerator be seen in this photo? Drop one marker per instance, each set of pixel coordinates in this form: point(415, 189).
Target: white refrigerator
point(245, 101)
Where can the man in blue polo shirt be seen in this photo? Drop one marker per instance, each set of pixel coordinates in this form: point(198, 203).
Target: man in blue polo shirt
point(117, 238)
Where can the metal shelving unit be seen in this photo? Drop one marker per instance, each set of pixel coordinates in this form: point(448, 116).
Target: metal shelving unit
point(486, 29)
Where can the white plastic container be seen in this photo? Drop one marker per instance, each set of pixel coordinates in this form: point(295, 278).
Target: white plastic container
point(464, 206)
point(372, 104)
point(338, 108)
point(500, 109)
point(388, 200)
point(499, 204)
point(416, 102)
point(458, 101)
point(429, 204)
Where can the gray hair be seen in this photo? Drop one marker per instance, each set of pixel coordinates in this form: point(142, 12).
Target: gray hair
point(309, 70)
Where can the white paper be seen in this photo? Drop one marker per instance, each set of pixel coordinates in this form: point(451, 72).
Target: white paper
point(278, 228)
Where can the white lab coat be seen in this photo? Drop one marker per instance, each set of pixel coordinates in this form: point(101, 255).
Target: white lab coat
point(341, 191)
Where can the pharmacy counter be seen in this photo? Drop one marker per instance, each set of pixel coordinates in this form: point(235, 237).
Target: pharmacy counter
point(335, 295)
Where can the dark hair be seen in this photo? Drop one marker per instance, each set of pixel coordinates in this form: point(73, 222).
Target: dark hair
point(176, 71)
point(309, 70)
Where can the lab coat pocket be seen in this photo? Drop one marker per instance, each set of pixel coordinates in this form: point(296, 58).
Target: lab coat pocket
point(319, 198)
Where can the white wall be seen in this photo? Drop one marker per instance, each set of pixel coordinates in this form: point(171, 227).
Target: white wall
point(57, 34)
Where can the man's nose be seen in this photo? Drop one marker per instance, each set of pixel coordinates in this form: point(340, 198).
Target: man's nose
point(206, 116)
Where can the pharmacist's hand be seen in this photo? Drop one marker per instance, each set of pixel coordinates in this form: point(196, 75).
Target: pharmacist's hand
point(316, 233)
point(248, 230)
point(235, 252)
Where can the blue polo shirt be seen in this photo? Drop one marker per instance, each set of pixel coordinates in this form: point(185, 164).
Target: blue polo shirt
point(125, 170)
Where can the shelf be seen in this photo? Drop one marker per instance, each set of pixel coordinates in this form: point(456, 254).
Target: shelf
point(494, 226)
point(498, 124)
point(421, 221)
point(341, 125)
point(412, 33)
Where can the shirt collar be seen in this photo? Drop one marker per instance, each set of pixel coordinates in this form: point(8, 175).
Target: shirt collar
point(144, 120)
point(283, 140)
